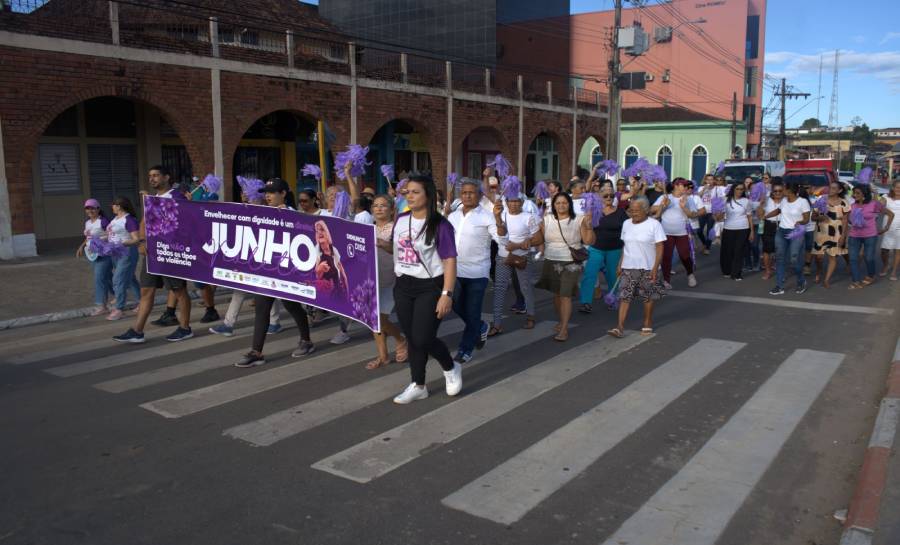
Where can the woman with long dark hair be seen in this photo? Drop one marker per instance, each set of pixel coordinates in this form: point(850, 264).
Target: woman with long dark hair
point(864, 233)
point(831, 231)
point(792, 212)
point(425, 264)
point(124, 230)
point(770, 226)
point(736, 231)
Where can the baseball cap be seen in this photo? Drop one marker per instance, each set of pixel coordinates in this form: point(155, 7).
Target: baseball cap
point(276, 185)
point(92, 203)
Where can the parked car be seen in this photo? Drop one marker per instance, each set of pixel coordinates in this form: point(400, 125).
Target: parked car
point(739, 170)
point(846, 175)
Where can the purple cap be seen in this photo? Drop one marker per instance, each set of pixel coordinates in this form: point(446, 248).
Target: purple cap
point(92, 203)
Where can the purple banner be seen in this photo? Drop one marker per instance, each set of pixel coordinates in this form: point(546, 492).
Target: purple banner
point(317, 260)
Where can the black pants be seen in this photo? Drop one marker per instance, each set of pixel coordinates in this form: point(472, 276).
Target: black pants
point(731, 258)
point(261, 319)
point(707, 222)
point(415, 300)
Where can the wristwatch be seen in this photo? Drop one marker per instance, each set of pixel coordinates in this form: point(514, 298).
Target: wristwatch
point(448, 293)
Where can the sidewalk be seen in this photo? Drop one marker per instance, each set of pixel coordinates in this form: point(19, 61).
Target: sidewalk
point(55, 282)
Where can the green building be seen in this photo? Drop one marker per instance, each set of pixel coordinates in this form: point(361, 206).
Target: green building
point(686, 148)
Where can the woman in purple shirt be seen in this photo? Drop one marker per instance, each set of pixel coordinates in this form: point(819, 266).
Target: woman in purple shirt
point(864, 234)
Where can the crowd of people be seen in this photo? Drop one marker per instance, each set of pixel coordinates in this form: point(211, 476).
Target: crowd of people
point(440, 247)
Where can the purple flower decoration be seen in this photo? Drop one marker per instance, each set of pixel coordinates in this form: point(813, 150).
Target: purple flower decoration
point(355, 156)
point(211, 183)
point(865, 176)
point(717, 205)
point(160, 215)
point(799, 231)
point(362, 299)
point(388, 172)
point(821, 205)
point(541, 191)
point(251, 188)
point(501, 165)
point(608, 168)
point(592, 204)
point(310, 169)
point(720, 168)
point(758, 192)
point(511, 187)
point(857, 219)
point(341, 205)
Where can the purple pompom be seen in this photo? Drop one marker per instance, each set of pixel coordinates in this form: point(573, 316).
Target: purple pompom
point(591, 203)
point(758, 192)
point(388, 172)
point(639, 168)
point(252, 189)
point(341, 205)
point(401, 184)
point(355, 156)
point(717, 205)
point(821, 205)
point(720, 168)
point(453, 181)
point(656, 173)
point(612, 296)
point(541, 191)
point(865, 176)
point(501, 165)
point(511, 187)
point(310, 169)
point(798, 232)
point(608, 168)
point(857, 218)
point(211, 183)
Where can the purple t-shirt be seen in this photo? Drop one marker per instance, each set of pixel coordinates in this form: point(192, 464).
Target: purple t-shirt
point(870, 214)
point(412, 257)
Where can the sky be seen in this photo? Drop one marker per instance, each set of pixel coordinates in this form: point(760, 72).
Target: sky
point(867, 32)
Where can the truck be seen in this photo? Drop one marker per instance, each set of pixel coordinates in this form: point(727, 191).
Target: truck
point(738, 170)
point(815, 174)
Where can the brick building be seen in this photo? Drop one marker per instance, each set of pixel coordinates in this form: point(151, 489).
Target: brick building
point(92, 93)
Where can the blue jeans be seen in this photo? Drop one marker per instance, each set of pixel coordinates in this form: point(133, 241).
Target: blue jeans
point(123, 277)
point(867, 245)
point(102, 279)
point(467, 302)
point(787, 250)
point(608, 260)
point(707, 222)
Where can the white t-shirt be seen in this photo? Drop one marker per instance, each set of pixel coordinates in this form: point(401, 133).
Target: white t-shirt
point(473, 233)
point(792, 212)
point(640, 243)
point(409, 246)
point(120, 228)
point(519, 227)
point(673, 218)
point(736, 212)
point(811, 225)
point(364, 217)
point(94, 228)
point(578, 206)
point(771, 206)
point(555, 248)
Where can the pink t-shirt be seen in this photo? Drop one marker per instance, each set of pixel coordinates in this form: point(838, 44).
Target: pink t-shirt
point(870, 213)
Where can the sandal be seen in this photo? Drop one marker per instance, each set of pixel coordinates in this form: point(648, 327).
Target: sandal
point(529, 323)
point(585, 308)
point(615, 332)
point(868, 281)
point(376, 363)
point(494, 331)
point(561, 338)
point(401, 353)
point(646, 331)
point(854, 286)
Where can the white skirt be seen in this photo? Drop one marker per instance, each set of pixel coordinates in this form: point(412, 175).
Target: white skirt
point(891, 239)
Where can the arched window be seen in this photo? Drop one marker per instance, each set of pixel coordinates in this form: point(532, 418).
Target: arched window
point(699, 163)
point(664, 159)
point(631, 155)
point(596, 156)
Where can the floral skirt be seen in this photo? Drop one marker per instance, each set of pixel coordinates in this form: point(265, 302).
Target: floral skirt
point(636, 283)
point(560, 277)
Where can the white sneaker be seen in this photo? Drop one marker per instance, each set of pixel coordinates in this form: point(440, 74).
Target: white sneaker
point(453, 379)
point(667, 285)
point(340, 338)
point(410, 394)
point(692, 281)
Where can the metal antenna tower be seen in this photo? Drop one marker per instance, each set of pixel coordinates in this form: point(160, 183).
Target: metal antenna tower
point(819, 94)
point(833, 114)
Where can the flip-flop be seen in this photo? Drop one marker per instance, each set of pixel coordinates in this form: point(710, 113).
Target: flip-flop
point(615, 332)
point(529, 323)
point(376, 364)
point(646, 331)
point(401, 353)
point(494, 331)
point(560, 339)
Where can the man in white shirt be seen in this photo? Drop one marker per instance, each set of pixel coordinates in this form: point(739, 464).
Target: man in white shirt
point(474, 229)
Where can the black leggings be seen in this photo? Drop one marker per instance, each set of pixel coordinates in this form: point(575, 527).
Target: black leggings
point(415, 300)
point(261, 319)
point(731, 257)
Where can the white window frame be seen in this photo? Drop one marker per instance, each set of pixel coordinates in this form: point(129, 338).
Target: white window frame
point(625, 153)
point(671, 154)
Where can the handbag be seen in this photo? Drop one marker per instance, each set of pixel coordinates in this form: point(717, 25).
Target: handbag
point(579, 255)
point(516, 261)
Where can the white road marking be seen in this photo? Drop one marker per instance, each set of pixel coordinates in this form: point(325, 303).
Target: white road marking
point(201, 399)
point(694, 507)
point(512, 489)
point(289, 422)
point(773, 302)
point(384, 453)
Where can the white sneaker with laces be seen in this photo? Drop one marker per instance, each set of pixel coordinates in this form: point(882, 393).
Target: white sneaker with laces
point(340, 338)
point(692, 281)
point(411, 393)
point(453, 379)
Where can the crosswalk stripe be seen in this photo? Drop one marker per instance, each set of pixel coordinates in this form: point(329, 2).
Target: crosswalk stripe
point(512, 489)
point(384, 453)
point(696, 504)
point(289, 422)
point(201, 399)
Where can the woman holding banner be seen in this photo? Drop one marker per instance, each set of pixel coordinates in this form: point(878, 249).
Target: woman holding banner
point(278, 195)
point(425, 265)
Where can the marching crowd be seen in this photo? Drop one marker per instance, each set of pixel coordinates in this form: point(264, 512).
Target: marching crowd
point(438, 255)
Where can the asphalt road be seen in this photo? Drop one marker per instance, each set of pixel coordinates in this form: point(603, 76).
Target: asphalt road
point(743, 420)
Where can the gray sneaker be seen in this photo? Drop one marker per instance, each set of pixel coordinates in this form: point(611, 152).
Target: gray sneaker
point(305, 348)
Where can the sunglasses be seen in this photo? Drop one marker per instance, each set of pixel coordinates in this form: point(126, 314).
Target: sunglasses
point(304, 201)
point(607, 197)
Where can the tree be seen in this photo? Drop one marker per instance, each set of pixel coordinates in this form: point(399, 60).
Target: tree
point(863, 135)
point(811, 123)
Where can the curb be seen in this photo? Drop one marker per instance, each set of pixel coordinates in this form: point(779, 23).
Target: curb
point(862, 517)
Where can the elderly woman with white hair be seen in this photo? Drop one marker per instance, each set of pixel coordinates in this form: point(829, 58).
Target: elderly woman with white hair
point(638, 269)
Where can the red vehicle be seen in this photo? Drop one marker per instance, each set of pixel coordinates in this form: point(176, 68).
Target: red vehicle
point(815, 174)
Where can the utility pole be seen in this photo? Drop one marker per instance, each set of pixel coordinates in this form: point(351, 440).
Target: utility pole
point(784, 94)
point(615, 106)
point(733, 123)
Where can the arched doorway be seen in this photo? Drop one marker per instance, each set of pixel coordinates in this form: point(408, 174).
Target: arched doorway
point(664, 159)
point(278, 144)
point(401, 143)
point(590, 155)
point(542, 161)
point(100, 148)
point(480, 147)
point(699, 163)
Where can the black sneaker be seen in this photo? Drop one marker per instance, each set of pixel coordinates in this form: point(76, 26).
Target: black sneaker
point(776, 291)
point(250, 359)
point(482, 336)
point(130, 336)
point(211, 315)
point(167, 319)
point(180, 334)
point(800, 289)
point(463, 357)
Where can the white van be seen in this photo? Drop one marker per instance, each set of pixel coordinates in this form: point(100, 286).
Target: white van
point(740, 170)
